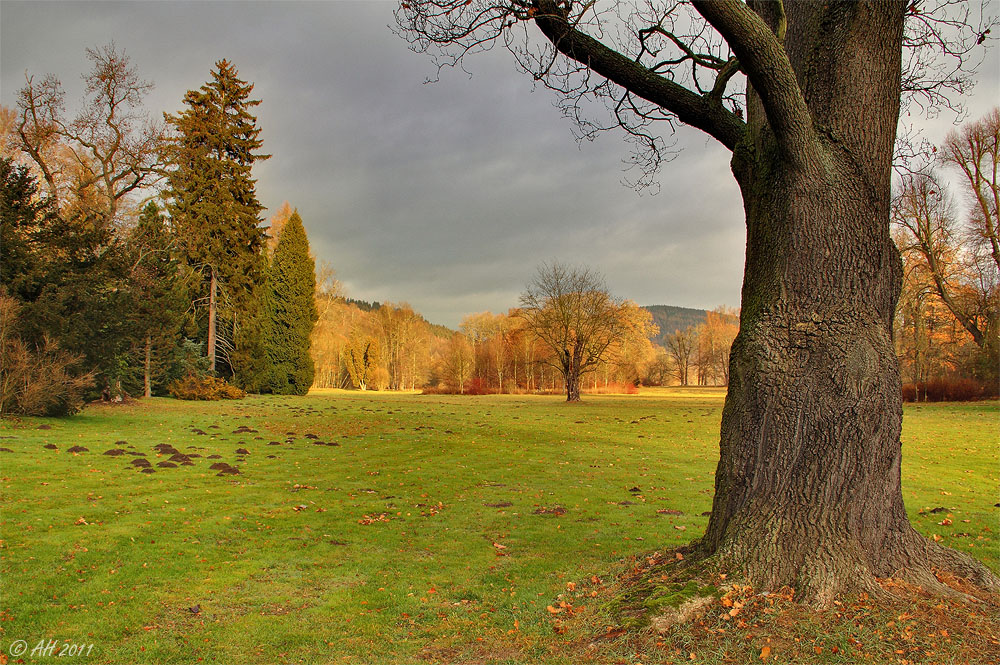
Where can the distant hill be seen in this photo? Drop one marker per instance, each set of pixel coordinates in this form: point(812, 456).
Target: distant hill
point(443, 332)
point(364, 305)
point(670, 319)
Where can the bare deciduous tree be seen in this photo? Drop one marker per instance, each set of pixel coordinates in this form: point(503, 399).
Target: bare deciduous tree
point(571, 312)
point(975, 152)
point(109, 150)
point(680, 346)
point(459, 362)
point(935, 238)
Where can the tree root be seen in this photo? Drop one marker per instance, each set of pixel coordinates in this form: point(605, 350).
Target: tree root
point(843, 567)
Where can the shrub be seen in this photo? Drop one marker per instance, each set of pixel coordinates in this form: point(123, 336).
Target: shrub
point(36, 383)
point(204, 387)
point(948, 390)
point(477, 386)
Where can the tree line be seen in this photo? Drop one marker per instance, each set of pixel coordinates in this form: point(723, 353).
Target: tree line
point(134, 256)
point(567, 333)
point(133, 253)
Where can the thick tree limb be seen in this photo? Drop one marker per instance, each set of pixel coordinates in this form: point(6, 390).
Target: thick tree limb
point(704, 112)
point(763, 59)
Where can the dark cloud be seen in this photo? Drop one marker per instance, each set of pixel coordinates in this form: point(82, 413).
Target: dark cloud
point(445, 195)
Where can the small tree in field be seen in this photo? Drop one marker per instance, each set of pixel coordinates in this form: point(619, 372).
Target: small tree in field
point(571, 312)
point(361, 360)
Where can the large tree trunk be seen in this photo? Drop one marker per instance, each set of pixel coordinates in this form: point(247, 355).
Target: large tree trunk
point(572, 374)
point(808, 484)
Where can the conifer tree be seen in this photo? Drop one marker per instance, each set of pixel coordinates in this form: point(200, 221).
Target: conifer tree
point(160, 294)
point(213, 202)
point(67, 271)
point(292, 307)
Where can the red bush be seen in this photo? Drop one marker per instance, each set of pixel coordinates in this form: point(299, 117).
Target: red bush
point(477, 386)
point(948, 390)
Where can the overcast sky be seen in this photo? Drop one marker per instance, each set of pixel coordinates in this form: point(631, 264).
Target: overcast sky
point(446, 196)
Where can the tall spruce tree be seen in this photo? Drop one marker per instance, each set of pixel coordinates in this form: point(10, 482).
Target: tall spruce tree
point(212, 199)
point(292, 307)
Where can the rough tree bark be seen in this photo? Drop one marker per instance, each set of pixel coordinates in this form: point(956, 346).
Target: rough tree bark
point(572, 374)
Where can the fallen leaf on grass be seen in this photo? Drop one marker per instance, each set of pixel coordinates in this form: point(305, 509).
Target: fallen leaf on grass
point(765, 653)
point(612, 633)
point(371, 519)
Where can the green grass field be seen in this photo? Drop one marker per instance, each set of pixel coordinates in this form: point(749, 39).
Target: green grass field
point(426, 529)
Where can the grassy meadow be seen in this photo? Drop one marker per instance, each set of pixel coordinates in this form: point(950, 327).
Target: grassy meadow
point(390, 528)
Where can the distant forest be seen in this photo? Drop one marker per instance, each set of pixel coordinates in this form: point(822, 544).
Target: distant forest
point(670, 319)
